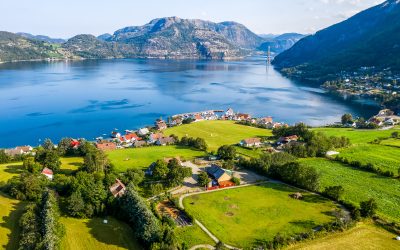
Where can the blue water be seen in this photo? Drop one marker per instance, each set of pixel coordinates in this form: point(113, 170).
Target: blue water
point(90, 98)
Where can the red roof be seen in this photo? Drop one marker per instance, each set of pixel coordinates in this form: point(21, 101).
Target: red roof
point(47, 171)
point(75, 143)
point(131, 136)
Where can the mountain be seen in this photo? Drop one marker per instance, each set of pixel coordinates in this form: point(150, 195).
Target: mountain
point(42, 38)
point(226, 34)
point(104, 37)
point(280, 43)
point(14, 47)
point(370, 38)
point(169, 37)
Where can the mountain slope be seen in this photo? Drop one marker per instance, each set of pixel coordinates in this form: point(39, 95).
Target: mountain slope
point(42, 38)
point(15, 47)
point(370, 38)
point(281, 43)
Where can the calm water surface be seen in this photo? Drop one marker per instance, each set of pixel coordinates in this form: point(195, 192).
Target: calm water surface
point(90, 98)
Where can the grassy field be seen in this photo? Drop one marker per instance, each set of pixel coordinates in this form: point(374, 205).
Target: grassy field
point(192, 236)
point(363, 236)
point(384, 157)
point(218, 133)
point(9, 170)
point(360, 185)
point(143, 157)
point(391, 142)
point(92, 234)
point(250, 215)
point(70, 164)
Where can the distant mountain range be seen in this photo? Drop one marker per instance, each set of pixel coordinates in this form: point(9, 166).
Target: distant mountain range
point(280, 43)
point(169, 37)
point(370, 38)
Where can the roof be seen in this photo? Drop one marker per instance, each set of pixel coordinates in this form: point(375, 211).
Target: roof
point(25, 149)
point(156, 136)
point(106, 146)
point(252, 140)
point(215, 171)
point(47, 171)
point(131, 136)
point(118, 188)
point(166, 140)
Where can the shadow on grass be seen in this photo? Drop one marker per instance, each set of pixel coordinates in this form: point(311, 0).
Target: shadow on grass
point(312, 198)
point(112, 233)
point(11, 222)
point(307, 224)
point(14, 169)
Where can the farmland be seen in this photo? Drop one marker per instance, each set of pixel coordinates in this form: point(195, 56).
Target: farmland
point(360, 185)
point(384, 155)
point(93, 234)
point(218, 133)
point(192, 235)
point(363, 236)
point(141, 158)
point(250, 215)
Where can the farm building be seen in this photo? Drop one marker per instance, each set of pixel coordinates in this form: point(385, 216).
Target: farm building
point(218, 174)
point(251, 142)
point(118, 188)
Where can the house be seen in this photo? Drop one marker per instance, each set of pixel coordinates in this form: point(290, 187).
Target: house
point(75, 144)
point(198, 118)
point(115, 134)
point(265, 121)
point(229, 112)
point(139, 144)
point(218, 174)
point(176, 122)
point(154, 137)
point(13, 152)
point(143, 131)
point(118, 188)
point(131, 137)
point(243, 117)
point(25, 149)
point(106, 146)
point(288, 139)
point(160, 125)
point(165, 141)
point(251, 142)
point(48, 173)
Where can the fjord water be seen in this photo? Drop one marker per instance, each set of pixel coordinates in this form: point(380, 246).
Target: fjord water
point(91, 98)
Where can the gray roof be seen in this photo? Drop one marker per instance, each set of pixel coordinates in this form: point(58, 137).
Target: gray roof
point(215, 171)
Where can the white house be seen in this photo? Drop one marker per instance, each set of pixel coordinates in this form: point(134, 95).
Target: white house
point(143, 131)
point(48, 173)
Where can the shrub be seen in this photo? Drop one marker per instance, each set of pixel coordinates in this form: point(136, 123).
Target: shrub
point(334, 192)
point(368, 208)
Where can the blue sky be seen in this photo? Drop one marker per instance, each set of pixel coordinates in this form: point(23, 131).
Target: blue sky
point(61, 18)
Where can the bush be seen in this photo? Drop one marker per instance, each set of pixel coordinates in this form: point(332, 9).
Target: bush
point(334, 192)
point(368, 208)
point(236, 181)
point(27, 186)
point(227, 152)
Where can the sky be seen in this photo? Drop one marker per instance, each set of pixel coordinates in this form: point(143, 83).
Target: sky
point(64, 19)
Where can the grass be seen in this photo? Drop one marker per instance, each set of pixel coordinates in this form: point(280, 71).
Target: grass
point(383, 155)
point(246, 216)
point(363, 236)
point(9, 170)
point(143, 157)
point(392, 142)
point(70, 164)
point(93, 234)
point(218, 133)
point(192, 236)
point(360, 186)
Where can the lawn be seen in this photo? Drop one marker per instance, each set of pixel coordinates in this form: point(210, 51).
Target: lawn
point(192, 236)
point(9, 170)
point(360, 185)
point(363, 236)
point(246, 216)
point(384, 157)
point(143, 157)
point(218, 133)
point(391, 142)
point(70, 164)
point(93, 234)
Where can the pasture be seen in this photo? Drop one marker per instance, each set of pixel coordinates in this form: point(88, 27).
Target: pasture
point(384, 155)
point(192, 236)
point(93, 234)
point(360, 185)
point(141, 158)
point(218, 133)
point(246, 216)
point(363, 236)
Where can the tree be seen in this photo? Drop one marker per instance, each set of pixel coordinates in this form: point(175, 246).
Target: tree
point(137, 213)
point(368, 208)
point(49, 159)
point(27, 186)
point(48, 144)
point(347, 118)
point(229, 164)
point(395, 134)
point(200, 144)
point(134, 176)
point(227, 152)
point(31, 166)
point(30, 236)
point(64, 146)
point(177, 173)
point(334, 192)
point(76, 205)
point(160, 170)
point(203, 179)
point(95, 161)
point(4, 158)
